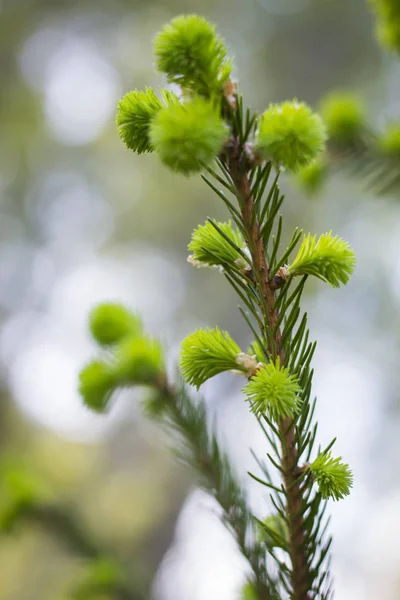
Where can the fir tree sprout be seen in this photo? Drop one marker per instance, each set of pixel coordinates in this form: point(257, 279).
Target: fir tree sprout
point(139, 361)
point(129, 357)
point(354, 145)
point(329, 258)
point(388, 23)
point(96, 384)
point(110, 323)
point(274, 391)
point(135, 112)
point(190, 53)
point(273, 532)
point(334, 478)
point(291, 134)
point(207, 352)
point(210, 248)
point(344, 116)
point(187, 135)
point(389, 142)
point(241, 155)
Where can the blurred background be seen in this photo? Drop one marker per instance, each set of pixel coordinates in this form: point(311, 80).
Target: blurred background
point(84, 220)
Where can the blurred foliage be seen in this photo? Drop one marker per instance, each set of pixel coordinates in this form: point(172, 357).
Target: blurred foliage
point(373, 157)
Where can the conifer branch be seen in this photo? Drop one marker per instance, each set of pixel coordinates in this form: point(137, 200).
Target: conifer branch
point(199, 449)
point(289, 461)
point(109, 574)
point(355, 147)
point(208, 126)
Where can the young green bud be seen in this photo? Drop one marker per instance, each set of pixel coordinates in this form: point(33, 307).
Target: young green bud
point(21, 489)
point(386, 9)
point(291, 134)
point(331, 259)
point(135, 113)
point(334, 478)
point(312, 176)
point(96, 384)
point(186, 136)
point(388, 23)
point(388, 32)
point(100, 579)
point(344, 116)
point(274, 391)
point(139, 361)
point(207, 352)
point(389, 142)
point(249, 592)
point(210, 248)
point(191, 54)
point(110, 322)
point(273, 531)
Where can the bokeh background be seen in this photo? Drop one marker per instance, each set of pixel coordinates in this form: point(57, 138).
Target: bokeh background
point(84, 220)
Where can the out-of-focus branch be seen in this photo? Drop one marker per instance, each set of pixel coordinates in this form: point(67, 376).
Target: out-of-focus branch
point(105, 574)
point(200, 450)
point(355, 147)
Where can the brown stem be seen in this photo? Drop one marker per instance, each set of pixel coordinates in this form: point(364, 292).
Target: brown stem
point(298, 555)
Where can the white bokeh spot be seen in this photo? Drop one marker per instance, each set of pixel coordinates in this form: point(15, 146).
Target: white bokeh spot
point(81, 91)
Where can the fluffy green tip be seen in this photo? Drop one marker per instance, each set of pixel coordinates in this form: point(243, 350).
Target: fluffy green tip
point(96, 384)
point(331, 259)
point(312, 177)
point(273, 390)
point(109, 323)
point(139, 361)
point(291, 134)
point(344, 116)
point(190, 52)
point(207, 352)
point(334, 478)
point(134, 115)
point(209, 247)
point(389, 142)
point(21, 489)
point(186, 136)
point(388, 33)
point(249, 591)
point(273, 531)
point(100, 578)
point(388, 23)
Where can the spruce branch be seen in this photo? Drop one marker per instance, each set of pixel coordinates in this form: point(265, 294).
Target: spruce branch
point(199, 449)
point(354, 146)
point(136, 361)
point(207, 128)
point(300, 574)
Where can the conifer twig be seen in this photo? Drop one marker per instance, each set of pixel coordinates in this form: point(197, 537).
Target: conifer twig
point(176, 410)
point(205, 128)
point(300, 566)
